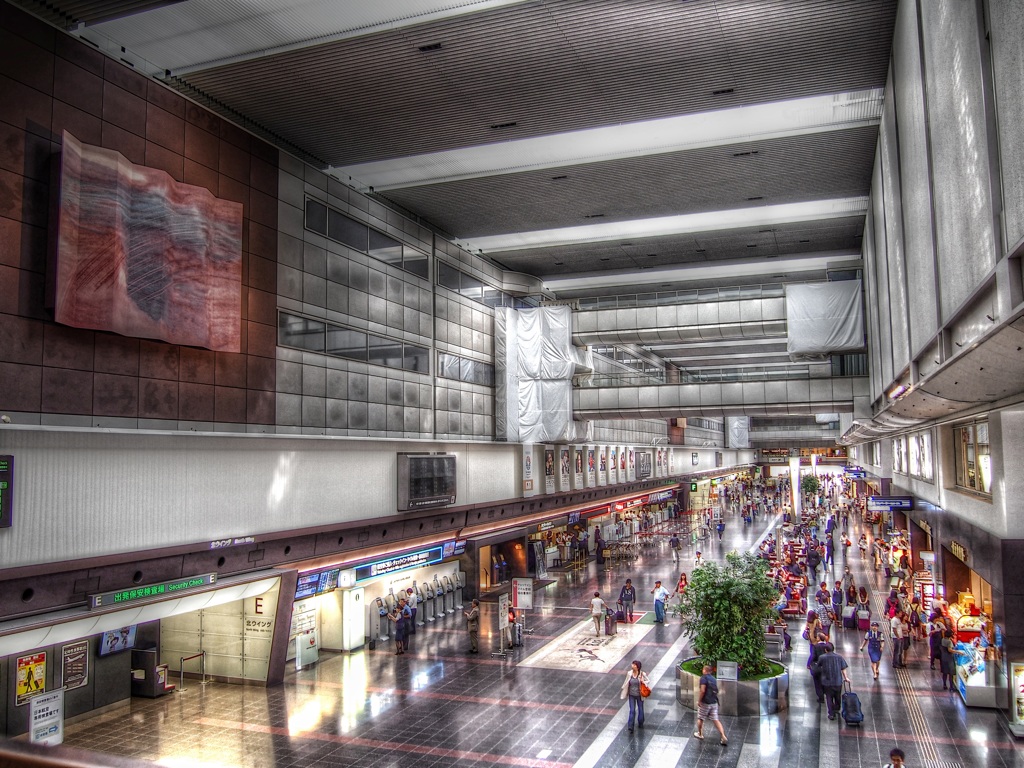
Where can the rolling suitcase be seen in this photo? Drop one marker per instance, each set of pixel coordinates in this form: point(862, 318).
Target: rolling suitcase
point(850, 707)
point(620, 616)
point(517, 635)
point(610, 624)
point(849, 617)
point(863, 620)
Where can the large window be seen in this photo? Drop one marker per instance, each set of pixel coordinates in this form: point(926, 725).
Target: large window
point(464, 369)
point(336, 226)
point(337, 341)
point(973, 461)
point(466, 285)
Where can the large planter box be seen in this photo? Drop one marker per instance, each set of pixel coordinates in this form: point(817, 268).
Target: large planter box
point(743, 697)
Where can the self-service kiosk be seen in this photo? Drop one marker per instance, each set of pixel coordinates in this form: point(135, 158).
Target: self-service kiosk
point(429, 607)
point(439, 599)
point(421, 606)
point(383, 625)
point(449, 595)
point(457, 578)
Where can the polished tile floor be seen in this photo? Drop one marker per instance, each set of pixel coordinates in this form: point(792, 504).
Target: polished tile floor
point(437, 706)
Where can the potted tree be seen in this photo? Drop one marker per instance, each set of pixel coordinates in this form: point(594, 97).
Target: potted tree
point(725, 610)
point(810, 485)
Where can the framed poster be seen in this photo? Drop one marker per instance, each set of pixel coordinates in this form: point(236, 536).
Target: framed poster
point(74, 664)
point(31, 679)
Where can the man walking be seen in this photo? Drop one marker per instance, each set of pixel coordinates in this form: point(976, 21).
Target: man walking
point(674, 545)
point(473, 625)
point(660, 596)
point(831, 669)
point(899, 632)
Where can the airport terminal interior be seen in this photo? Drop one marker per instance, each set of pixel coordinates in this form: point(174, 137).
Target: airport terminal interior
point(351, 354)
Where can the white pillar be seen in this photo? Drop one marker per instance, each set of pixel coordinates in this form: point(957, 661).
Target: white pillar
point(794, 485)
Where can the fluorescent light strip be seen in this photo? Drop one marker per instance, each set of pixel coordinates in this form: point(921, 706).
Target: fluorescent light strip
point(794, 117)
point(759, 267)
point(709, 221)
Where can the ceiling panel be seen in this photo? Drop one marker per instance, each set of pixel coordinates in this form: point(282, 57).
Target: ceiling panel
point(544, 67)
point(793, 169)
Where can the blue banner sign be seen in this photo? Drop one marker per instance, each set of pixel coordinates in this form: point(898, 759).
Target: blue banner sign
point(890, 503)
point(399, 563)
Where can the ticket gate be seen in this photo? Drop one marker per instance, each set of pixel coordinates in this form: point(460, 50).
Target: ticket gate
point(429, 609)
point(457, 578)
point(383, 624)
point(439, 598)
point(449, 595)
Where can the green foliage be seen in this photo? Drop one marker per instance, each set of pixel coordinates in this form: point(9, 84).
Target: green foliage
point(725, 609)
point(810, 485)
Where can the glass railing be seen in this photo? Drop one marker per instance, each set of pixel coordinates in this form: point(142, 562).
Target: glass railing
point(703, 376)
point(689, 296)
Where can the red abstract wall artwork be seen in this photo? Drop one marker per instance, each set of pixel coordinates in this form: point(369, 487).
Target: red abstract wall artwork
point(143, 255)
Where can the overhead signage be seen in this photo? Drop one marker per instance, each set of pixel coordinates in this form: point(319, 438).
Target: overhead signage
point(890, 503)
point(660, 496)
point(400, 563)
point(235, 542)
point(316, 583)
point(574, 517)
point(547, 525)
point(644, 469)
point(6, 491)
point(856, 473)
point(959, 551)
point(166, 589)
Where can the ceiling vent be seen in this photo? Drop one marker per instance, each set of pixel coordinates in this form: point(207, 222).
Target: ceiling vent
point(756, 197)
point(431, 47)
point(745, 154)
point(498, 126)
point(722, 92)
point(594, 216)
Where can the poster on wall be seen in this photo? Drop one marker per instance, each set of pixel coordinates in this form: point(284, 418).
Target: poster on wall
point(563, 469)
point(31, 677)
point(578, 452)
point(591, 467)
point(527, 468)
point(613, 464)
point(74, 664)
point(549, 469)
point(632, 465)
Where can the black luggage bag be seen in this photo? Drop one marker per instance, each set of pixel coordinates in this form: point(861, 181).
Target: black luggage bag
point(850, 708)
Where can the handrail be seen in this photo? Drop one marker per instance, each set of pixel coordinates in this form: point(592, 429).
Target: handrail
point(181, 669)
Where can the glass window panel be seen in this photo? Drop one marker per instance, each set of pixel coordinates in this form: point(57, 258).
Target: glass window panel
point(347, 343)
point(346, 231)
point(493, 297)
point(471, 288)
point(417, 359)
point(449, 365)
point(383, 351)
point(316, 217)
point(415, 262)
point(385, 248)
point(448, 276)
point(301, 332)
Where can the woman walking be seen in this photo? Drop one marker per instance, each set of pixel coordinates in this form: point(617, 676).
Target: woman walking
point(635, 678)
point(874, 640)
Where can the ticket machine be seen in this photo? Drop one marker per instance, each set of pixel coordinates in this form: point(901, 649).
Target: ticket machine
point(439, 597)
point(383, 624)
point(429, 609)
point(457, 578)
point(422, 613)
point(449, 595)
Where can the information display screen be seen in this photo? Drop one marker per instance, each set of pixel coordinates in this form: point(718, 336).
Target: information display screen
point(306, 586)
point(426, 480)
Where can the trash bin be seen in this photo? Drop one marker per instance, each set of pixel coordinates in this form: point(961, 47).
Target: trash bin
point(611, 626)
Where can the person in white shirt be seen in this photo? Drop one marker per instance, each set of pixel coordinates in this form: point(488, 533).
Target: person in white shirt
point(698, 560)
point(899, 631)
point(660, 596)
point(597, 612)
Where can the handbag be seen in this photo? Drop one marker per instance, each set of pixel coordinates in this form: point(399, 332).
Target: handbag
point(645, 690)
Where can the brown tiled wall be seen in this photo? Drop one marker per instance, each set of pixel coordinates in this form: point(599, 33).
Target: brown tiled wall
point(51, 82)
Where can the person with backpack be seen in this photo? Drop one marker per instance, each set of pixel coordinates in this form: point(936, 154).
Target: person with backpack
point(707, 705)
